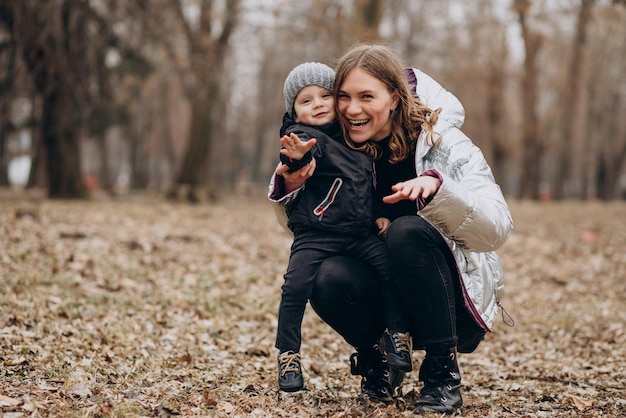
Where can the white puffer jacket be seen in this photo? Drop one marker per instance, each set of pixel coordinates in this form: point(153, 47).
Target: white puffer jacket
point(469, 209)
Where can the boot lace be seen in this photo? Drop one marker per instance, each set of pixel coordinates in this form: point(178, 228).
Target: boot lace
point(289, 362)
point(402, 342)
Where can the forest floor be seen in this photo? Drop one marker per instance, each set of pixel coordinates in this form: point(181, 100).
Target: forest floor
point(133, 306)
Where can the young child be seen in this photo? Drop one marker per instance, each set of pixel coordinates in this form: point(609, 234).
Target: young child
point(333, 214)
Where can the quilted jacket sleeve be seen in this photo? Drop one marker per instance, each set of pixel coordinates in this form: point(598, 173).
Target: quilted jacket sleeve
point(469, 207)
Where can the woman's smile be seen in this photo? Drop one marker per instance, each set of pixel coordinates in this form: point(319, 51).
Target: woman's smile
point(358, 123)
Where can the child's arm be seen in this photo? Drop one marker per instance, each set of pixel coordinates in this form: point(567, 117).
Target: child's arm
point(383, 225)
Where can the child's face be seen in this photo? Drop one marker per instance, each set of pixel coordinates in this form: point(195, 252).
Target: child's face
point(314, 105)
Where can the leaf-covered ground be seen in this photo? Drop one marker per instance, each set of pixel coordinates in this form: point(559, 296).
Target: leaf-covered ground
point(138, 307)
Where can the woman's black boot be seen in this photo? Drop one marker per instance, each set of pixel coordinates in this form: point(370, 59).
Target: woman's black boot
point(372, 366)
point(442, 384)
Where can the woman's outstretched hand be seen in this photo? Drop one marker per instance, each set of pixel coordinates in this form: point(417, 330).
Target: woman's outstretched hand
point(423, 186)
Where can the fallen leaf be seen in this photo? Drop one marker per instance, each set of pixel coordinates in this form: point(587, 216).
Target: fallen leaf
point(580, 403)
point(6, 401)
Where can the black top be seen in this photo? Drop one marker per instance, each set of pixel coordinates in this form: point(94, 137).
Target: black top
point(387, 175)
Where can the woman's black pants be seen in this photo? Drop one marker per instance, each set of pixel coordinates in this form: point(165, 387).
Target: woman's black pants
point(348, 297)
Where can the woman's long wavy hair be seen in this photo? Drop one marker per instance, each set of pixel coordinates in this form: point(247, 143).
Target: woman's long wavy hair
point(410, 117)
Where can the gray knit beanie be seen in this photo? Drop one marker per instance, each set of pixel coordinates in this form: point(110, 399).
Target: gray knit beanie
point(305, 75)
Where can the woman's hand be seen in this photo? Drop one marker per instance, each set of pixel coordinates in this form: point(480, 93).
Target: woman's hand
point(296, 179)
point(423, 186)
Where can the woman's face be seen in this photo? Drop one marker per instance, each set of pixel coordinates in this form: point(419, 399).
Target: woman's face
point(365, 105)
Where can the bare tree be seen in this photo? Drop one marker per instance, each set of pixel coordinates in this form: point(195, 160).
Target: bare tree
point(8, 59)
point(571, 99)
point(50, 35)
point(614, 161)
point(605, 136)
point(533, 147)
point(478, 76)
point(208, 45)
point(500, 144)
point(63, 45)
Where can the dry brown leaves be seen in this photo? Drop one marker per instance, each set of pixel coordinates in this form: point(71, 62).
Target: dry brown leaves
point(138, 307)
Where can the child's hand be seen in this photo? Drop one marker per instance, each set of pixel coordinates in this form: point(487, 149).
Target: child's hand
point(294, 148)
point(423, 186)
point(383, 225)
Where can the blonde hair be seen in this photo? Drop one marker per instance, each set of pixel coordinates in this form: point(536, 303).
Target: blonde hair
point(410, 117)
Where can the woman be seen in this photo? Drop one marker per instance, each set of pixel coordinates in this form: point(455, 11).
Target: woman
point(448, 216)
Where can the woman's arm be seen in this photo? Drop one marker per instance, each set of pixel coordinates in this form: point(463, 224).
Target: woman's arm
point(469, 206)
point(284, 185)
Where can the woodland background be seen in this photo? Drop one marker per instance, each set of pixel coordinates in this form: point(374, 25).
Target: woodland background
point(118, 302)
point(185, 97)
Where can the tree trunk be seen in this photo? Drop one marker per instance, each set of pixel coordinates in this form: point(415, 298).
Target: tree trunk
point(50, 61)
point(8, 56)
point(4, 130)
point(571, 99)
point(207, 54)
point(613, 157)
point(138, 156)
point(60, 136)
point(619, 160)
point(366, 19)
point(104, 175)
point(166, 127)
point(532, 146)
point(37, 178)
point(495, 113)
point(193, 176)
